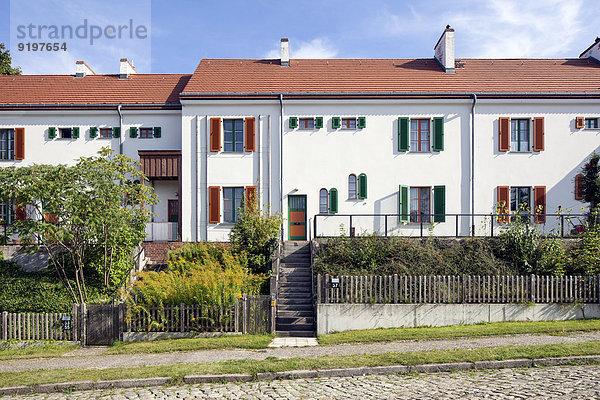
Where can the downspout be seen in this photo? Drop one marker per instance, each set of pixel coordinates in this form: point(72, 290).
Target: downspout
point(281, 160)
point(473, 164)
point(120, 129)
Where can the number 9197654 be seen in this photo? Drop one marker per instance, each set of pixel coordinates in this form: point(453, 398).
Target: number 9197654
point(42, 46)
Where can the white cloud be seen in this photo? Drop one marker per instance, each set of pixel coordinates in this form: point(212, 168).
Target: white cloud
point(316, 48)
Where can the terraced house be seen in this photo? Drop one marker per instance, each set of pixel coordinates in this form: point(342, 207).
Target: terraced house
point(360, 145)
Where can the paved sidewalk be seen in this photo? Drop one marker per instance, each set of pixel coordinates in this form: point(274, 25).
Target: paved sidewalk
point(206, 356)
point(293, 342)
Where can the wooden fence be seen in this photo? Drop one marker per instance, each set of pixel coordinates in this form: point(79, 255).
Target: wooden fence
point(458, 289)
point(36, 326)
point(250, 314)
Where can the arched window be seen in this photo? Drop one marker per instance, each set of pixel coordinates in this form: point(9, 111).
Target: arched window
point(579, 187)
point(323, 201)
point(352, 190)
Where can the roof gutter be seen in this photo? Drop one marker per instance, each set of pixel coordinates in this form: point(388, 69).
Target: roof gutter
point(464, 94)
point(75, 105)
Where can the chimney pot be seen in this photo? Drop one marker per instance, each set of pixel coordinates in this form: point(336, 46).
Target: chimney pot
point(444, 50)
point(126, 69)
point(82, 69)
point(285, 52)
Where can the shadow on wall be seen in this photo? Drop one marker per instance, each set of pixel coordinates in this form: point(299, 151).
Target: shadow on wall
point(30, 262)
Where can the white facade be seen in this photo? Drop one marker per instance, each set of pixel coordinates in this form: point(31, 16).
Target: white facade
point(295, 161)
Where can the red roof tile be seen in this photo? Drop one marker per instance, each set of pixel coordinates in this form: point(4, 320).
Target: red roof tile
point(91, 89)
point(307, 76)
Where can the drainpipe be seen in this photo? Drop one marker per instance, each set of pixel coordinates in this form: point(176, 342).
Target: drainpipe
point(120, 129)
point(281, 160)
point(473, 164)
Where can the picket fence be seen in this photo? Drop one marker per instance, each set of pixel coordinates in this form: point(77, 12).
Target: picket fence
point(35, 326)
point(458, 289)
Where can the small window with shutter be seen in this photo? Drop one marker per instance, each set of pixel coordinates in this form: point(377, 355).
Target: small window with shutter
point(233, 133)
point(106, 133)
point(591, 123)
point(65, 133)
point(7, 212)
point(306, 123)
point(7, 144)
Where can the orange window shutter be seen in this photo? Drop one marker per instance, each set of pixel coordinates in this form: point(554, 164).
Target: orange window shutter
point(579, 122)
point(250, 136)
point(215, 134)
point(539, 204)
point(504, 134)
point(51, 217)
point(214, 204)
point(503, 194)
point(19, 143)
point(251, 197)
point(579, 187)
point(20, 212)
point(538, 134)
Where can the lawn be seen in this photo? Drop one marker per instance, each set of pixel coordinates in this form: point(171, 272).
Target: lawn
point(178, 371)
point(450, 332)
point(44, 351)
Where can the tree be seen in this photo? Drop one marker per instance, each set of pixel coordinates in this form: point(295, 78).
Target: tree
point(74, 212)
point(591, 185)
point(5, 62)
point(256, 233)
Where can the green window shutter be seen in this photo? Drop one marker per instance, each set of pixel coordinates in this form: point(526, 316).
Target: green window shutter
point(318, 122)
point(361, 122)
point(333, 201)
point(336, 122)
point(403, 134)
point(156, 131)
point(116, 132)
point(93, 131)
point(438, 133)
point(75, 132)
point(51, 132)
point(293, 122)
point(133, 132)
point(362, 186)
point(439, 203)
point(403, 203)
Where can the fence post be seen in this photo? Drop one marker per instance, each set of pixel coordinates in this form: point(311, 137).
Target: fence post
point(4, 325)
point(319, 284)
point(351, 234)
point(273, 313)
point(464, 288)
point(395, 288)
point(83, 318)
point(245, 314)
point(491, 224)
point(532, 288)
point(315, 227)
point(74, 325)
point(562, 225)
point(386, 228)
point(181, 318)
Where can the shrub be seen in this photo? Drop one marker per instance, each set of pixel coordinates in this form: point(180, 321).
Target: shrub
point(256, 234)
point(587, 254)
point(197, 273)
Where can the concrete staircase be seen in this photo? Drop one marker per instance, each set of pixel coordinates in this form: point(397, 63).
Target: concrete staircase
point(295, 312)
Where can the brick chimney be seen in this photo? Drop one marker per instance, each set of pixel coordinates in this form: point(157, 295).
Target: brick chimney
point(444, 50)
point(285, 52)
point(82, 69)
point(126, 69)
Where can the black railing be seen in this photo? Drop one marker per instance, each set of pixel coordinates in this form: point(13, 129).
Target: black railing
point(457, 225)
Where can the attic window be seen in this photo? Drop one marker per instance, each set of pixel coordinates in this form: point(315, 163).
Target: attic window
point(591, 123)
point(65, 133)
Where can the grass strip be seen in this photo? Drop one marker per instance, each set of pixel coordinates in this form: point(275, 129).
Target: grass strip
point(43, 351)
point(450, 332)
point(272, 364)
point(212, 343)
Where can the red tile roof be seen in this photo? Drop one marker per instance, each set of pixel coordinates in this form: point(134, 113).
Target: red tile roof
point(91, 89)
point(305, 76)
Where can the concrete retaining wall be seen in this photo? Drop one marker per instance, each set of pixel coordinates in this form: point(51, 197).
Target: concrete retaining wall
point(345, 317)
point(30, 262)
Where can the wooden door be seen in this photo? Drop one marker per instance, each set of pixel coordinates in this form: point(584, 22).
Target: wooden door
point(297, 217)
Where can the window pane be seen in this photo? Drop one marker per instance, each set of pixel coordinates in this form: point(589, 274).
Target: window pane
point(239, 203)
point(513, 199)
point(424, 204)
point(228, 204)
point(514, 135)
point(323, 201)
point(524, 198)
point(414, 204)
point(352, 186)
point(239, 135)
point(414, 135)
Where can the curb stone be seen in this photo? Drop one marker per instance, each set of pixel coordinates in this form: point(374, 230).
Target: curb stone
point(299, 374)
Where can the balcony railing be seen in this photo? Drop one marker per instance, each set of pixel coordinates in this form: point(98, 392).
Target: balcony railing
point(453, 225)
point(161, 232)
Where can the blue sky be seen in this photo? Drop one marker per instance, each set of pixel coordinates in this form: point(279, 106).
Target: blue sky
point(184, 31)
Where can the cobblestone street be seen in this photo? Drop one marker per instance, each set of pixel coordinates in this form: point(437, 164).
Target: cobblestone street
point(572, 382)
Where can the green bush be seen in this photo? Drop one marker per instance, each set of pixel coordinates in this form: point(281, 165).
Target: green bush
point(197, 273)
point(373, 255)
point(256, 234)
point(587, 254)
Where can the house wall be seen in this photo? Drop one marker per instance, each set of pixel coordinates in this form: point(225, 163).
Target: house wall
point(40, 149)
